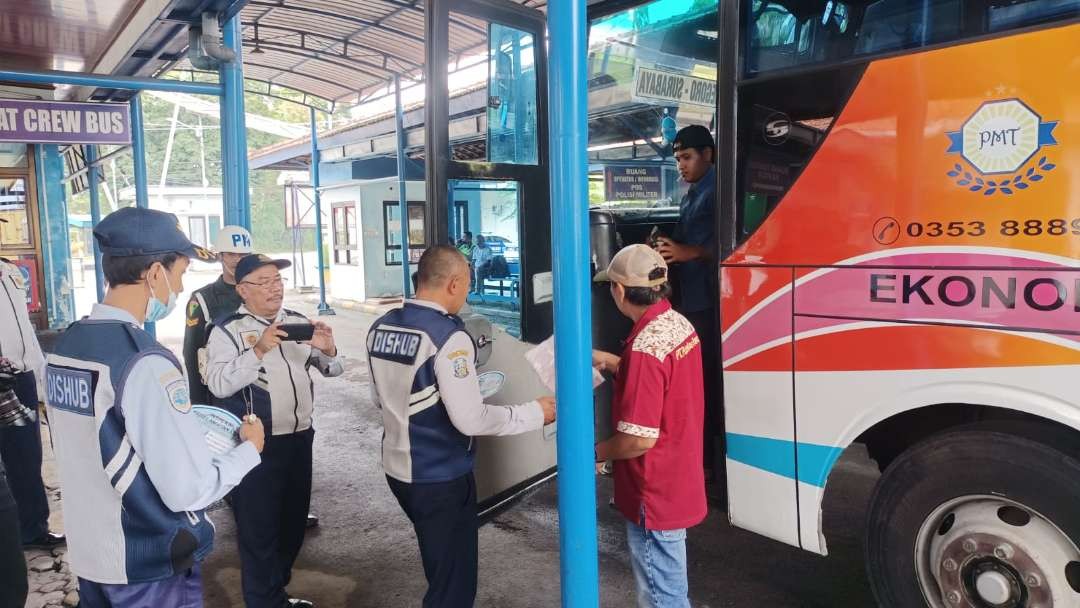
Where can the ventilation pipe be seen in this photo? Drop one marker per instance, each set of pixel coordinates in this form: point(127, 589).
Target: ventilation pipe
point(205, 50)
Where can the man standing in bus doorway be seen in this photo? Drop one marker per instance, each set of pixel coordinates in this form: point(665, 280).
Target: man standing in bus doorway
point(20, 446)
point(423, 372)
point(691, 251)
point(658, 415)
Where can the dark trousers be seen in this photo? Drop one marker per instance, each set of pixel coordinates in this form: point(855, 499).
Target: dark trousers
point(13, 583)
point(444, 517)
point(704, 323)
point(271, 507)
point(179, 591)
point(20, 450)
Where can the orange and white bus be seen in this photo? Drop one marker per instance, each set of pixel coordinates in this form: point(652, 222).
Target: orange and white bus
point(899, 221)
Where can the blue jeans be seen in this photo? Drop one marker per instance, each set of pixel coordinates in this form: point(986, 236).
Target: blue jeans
point(659, 561)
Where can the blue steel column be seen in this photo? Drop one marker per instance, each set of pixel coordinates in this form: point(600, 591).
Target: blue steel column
point(573, 319)
point(138, 158)
point(138, 153)
point(403, 200)
point(237, 204)
point(55, 242)
point(95, 216)
point(324, 308)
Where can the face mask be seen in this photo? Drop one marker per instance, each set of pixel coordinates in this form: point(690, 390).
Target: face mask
point(155, 310)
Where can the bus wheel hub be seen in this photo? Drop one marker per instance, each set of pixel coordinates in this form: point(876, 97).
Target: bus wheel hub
point(994, 587)
point(990, 552)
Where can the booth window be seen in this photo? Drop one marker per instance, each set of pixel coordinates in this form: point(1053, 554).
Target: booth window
point(346, 243)
point(392, 232)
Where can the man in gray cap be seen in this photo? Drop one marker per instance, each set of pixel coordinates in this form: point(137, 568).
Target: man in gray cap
point(133, 461)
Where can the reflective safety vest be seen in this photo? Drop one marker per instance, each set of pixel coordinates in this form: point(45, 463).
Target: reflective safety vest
point(420, 443)
point(119, 531)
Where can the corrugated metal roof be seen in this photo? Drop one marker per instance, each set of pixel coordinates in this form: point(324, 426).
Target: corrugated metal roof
point(342, 50)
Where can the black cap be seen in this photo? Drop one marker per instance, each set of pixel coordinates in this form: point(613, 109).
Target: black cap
point(694, 136)
point(250, 263)
point(135, 231)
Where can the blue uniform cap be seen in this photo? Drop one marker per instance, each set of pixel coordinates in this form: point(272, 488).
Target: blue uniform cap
point(135, 231)
point(250, 263)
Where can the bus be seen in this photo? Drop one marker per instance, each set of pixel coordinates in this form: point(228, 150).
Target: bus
point(898, 235)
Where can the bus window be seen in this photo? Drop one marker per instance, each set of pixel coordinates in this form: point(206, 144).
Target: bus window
point(784, 34)
point(652, 70)
point(781, 123)
point(1008, 15)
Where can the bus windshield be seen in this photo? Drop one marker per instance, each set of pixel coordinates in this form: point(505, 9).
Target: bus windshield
point(652, 69)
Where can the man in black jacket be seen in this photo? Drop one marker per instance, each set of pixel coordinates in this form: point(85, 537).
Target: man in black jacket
point(214, 301)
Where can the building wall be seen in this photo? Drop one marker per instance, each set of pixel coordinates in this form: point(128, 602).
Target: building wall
point(369, 276)
point(382, 280)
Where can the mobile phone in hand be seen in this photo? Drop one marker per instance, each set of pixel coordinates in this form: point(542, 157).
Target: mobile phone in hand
point(654, 236)
point(297, 332)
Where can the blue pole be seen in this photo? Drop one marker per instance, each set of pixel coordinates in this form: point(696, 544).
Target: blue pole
point(234, 132)
point(95, 216)
point(138, 158)
point(109, 82)
point(573, 320)
point(138, 153)
point(403, 201)
point(324, 308)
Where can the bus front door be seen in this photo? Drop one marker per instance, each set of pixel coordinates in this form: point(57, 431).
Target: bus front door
point(487, 180)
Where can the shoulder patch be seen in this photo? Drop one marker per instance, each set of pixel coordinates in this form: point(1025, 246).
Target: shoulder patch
point(663, 335)
point(177, 389)
point(395, 345)
point(192, 309)
point(457, 353)
point(461, 367)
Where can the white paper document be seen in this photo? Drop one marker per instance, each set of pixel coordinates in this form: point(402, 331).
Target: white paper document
point(542, 359)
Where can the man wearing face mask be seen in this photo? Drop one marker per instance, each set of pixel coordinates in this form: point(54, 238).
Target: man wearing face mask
point(133, 460)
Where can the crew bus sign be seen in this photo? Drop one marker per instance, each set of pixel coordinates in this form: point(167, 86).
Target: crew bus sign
point(62, 122)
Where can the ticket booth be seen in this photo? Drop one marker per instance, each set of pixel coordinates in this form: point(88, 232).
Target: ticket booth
point(20, 235)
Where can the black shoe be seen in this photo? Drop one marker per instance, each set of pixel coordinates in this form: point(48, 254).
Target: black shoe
point(312, 521)
point(293, 602)
point(48, 540)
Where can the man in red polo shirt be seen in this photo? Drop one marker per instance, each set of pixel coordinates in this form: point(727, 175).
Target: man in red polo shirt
point(658, 412)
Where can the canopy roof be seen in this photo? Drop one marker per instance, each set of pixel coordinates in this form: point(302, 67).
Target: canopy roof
point(344, 51)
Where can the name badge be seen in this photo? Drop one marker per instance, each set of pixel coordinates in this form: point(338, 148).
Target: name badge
point(71, 390)
point(399, 346)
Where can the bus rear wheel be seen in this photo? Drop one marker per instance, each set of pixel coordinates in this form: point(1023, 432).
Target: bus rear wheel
point(977, 519)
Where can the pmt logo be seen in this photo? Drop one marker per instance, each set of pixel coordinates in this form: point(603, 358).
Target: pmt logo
point(1000, 144)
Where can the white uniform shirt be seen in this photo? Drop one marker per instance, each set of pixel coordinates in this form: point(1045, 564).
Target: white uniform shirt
point(18, 342)
point(232, 365)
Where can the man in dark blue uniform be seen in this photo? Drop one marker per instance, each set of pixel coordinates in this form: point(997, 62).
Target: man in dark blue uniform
point(691, 251)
